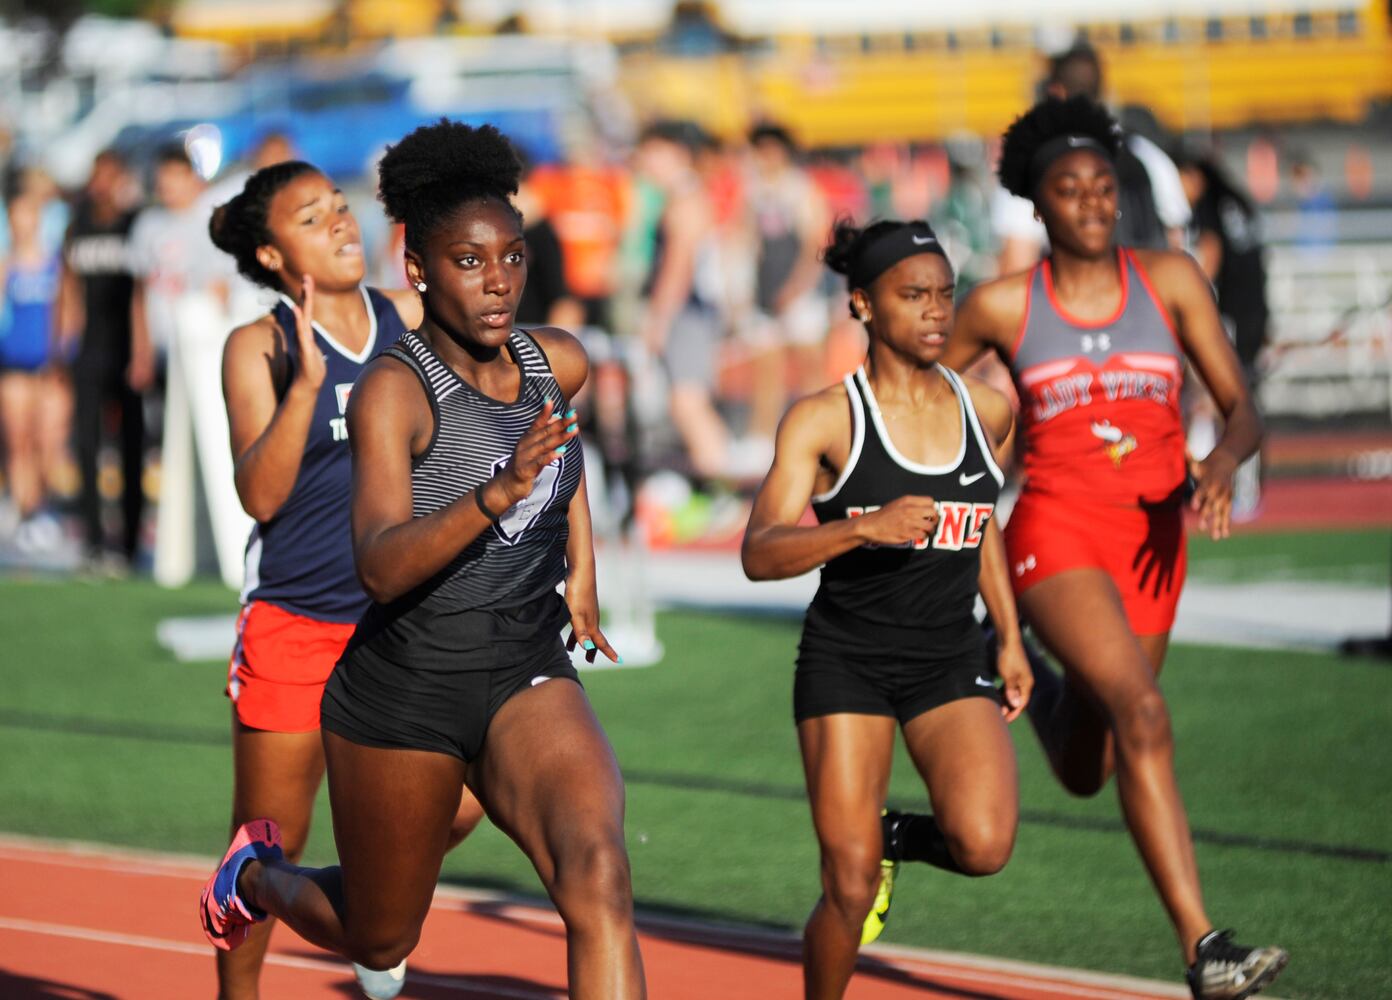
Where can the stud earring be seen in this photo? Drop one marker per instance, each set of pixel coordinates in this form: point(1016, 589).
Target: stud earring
point(420, 286)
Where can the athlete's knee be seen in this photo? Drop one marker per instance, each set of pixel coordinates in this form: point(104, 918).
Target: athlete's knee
point(593, 880)
point(983, 845)
point(382, 948)
point(851, 877)
point(1143, 723)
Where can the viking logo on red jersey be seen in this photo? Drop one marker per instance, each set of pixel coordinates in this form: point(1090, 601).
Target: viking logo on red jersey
point(1116, 443)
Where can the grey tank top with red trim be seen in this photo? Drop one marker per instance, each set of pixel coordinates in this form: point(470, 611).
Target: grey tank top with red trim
point(1100, 400)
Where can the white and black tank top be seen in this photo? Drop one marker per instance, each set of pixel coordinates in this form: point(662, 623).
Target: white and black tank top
point(502, 587)
point(901, 593)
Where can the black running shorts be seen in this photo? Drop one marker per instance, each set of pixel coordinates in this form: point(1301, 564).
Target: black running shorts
point(841, 669)
point(380, 702)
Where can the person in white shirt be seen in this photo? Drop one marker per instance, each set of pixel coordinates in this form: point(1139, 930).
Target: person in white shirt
point(1154, 209)
point(171, 257)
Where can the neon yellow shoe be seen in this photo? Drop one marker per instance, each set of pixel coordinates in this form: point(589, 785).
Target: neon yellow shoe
point(879, 912)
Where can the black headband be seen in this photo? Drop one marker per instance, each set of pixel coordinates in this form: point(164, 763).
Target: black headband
point(890, 248)
point(1061, 145)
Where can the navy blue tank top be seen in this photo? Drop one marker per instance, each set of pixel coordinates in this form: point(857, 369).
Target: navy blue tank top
point(302, 558)
point(904, 595)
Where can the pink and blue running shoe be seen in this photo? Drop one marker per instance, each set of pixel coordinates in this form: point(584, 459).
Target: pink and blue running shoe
point(225, 916)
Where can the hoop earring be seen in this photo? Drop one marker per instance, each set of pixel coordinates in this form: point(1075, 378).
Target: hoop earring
point(1118, 215)
point(420, 287)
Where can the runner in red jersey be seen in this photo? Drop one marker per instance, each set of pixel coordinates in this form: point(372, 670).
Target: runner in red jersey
point(1095, 337)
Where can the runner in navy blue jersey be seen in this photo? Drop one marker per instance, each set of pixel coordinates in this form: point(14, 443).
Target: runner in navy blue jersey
point(287, 377)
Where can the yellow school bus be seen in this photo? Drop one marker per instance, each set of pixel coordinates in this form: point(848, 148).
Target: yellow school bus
point(1291, 63)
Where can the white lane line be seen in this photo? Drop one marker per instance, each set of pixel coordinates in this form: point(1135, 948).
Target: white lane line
point(985, 969)
point(460, 984)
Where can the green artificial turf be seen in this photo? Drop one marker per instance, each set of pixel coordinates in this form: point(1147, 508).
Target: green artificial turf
point(1283, 759)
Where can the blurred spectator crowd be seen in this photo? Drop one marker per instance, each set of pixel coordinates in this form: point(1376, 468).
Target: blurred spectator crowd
point(689, 265)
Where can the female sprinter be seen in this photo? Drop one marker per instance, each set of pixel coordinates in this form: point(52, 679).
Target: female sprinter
point(469, 508)
point(286, 379)
point(898, 464)
point(1096, 337)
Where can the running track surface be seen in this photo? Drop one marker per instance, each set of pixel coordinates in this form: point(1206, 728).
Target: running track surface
point(91, 923)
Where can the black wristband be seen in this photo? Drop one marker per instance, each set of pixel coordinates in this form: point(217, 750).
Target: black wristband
point(478, 499)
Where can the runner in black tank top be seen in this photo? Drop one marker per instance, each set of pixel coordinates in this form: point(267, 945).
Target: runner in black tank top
point(897, 463)
point(469, 508)
point(287, 377)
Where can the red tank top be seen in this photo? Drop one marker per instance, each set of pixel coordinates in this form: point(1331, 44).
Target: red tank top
point(1100, 400)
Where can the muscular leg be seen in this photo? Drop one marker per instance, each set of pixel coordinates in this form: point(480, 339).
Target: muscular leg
point(466, 818)
point(964, 754)
point(1075, 732)
point(847, 760)
point(702, 431)
point(770, 390)
point(1079, 616)
point(19, 402)
point(548, 779)
point(392, 811)
point(276, 775)
point(55, 433)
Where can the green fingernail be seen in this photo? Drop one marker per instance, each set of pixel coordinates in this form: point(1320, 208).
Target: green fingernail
point(620, 660)
point(561, 450)
point(588, 644)
point(571, 412)
point(572, 428)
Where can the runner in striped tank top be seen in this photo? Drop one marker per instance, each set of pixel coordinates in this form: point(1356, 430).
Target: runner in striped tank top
point(469, 508)
point(1095, 338)
point(287, 377)
point(898, 464)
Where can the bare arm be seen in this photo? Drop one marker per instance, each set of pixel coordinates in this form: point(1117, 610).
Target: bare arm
point(269, 431)
point(140, 373)
point(68, 316)
point(685, 225)
point(997, 419)
point(813, 225)
point(389, 420)
point(775, 546)
point(571, 366)
point(582, 588)
point(987, 319)
point(1189, 298)
point(993, 577)
point(1208, 251)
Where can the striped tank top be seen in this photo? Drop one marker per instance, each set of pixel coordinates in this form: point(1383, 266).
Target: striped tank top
point(501, 589)
point(1099, 401)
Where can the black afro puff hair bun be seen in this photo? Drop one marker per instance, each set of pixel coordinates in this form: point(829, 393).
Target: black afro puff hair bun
point(1049, 119)
point(435, 169)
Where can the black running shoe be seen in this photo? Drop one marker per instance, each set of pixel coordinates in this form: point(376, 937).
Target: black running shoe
point(1228, 971)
